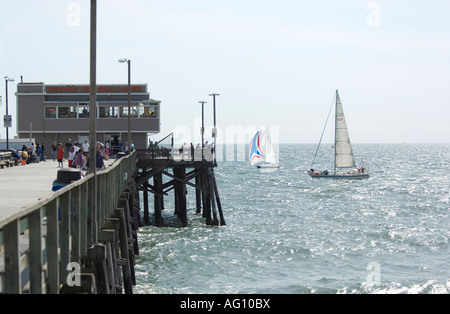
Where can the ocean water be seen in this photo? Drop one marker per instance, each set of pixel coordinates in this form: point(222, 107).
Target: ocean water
point(287, 233)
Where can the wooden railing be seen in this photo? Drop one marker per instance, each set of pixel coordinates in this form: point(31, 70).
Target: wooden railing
point(40, 244)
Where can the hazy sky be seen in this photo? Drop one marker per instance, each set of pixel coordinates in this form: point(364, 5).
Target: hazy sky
point(274, 62)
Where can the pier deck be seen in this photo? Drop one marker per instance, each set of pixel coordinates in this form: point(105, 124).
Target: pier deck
point(24, 186)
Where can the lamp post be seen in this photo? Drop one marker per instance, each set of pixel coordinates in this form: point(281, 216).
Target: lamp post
point(203, 125)
point(7, 117)
point(124, 60)
point(215, 125)
point(93, 123)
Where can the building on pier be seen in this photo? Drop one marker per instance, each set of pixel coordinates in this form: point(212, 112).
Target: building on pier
point(58, 112)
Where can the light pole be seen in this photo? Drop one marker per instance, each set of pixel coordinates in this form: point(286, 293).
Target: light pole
point(124, 60)
point(93, 94)
point(203, 125)
point(215, 125)
point(7, 117)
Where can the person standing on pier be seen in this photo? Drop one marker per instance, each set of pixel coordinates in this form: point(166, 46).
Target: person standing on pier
point(85, 146)
point(54, 150)
point(38, 152)
point(71, 156)
point(24, 156)
point(42, 152)
point(68, 145)
point(100, 156)
point(79, 160)
point(60, 156)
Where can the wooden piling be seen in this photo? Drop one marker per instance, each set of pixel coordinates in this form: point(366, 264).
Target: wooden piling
point(202, 174)
point(198, 192)
point(146, 205)
point(183, 204)
point(176, 192)
point(207, 198)
point(157, 184)
point(219, 204)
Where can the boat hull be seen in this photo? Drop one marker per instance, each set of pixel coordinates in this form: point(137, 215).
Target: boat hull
point(358, 176)
point(268, 167)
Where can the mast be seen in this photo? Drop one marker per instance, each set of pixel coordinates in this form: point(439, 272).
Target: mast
point(335, 129)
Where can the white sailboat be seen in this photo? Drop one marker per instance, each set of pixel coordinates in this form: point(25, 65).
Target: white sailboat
point(344, 161)
point(261, 152)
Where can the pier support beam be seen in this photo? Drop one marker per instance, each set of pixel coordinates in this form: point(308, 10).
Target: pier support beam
point(206, 199)
point(198, 192)
point(146, 205)
point(182, 214)
point(158, 192)
point(206, 192)
point(216, 193)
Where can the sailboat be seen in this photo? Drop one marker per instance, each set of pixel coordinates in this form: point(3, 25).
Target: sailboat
point(261, 152)
point(344, 161)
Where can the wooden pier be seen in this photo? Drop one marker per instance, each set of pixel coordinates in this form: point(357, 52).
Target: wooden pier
point(83, 238)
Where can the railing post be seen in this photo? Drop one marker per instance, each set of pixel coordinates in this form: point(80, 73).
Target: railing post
point(84, 209)
point(36, 255)
point(12, 258)
point(75, 216)
point(64, 224)
point(52, 246)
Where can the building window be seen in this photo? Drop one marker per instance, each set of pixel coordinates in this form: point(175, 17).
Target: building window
point(108, 112)
point(83, 111)
point(50, 112)
point(124, 112)
point(146, 111)
point(67, 112)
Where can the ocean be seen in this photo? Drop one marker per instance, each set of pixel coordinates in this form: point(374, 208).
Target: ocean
point(289, 234)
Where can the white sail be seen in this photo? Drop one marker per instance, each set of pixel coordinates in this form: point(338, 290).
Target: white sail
point(256, 154)
point(261, 150)
point(266, 146)
point(344, 153)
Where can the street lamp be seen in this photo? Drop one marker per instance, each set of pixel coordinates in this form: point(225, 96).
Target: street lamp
point(124, 60)
point(7, 118)
point(203, 125)
point(215, 125)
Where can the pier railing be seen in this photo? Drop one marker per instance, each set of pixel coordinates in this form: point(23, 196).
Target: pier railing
point(166, 149)
point(41, 246)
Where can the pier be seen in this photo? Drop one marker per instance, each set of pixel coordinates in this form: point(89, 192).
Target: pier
point(83, 238)
point(58, 243)
point(181, 166)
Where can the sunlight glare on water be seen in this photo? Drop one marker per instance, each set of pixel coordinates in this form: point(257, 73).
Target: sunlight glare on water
point(287, 233)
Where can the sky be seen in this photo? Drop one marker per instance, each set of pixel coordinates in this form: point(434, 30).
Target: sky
point(275, 63)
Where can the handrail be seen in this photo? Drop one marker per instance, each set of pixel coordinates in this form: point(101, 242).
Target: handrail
point(27, 210)
point(160, 141)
